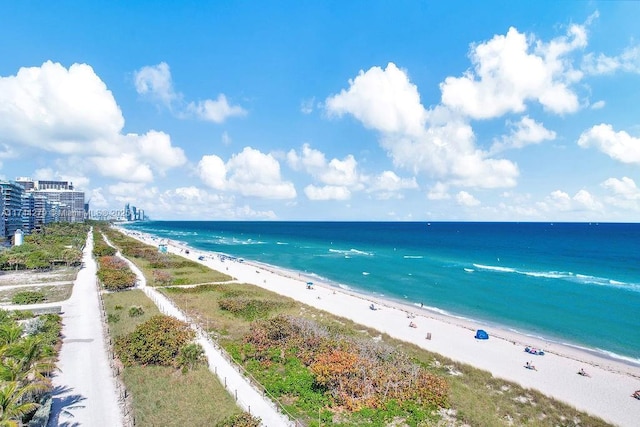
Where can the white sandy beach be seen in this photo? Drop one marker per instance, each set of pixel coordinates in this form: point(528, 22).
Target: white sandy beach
point(606, 393)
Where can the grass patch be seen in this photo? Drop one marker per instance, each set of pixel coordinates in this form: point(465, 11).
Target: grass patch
point(36, 294)
point(118, 303)
point(164, 396)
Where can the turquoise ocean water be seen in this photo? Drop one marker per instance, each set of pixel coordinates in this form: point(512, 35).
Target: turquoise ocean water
point(576, 283)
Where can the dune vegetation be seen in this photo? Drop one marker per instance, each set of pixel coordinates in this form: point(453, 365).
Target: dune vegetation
point(327, 370)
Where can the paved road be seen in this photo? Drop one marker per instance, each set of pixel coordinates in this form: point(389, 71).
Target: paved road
point(85, 391)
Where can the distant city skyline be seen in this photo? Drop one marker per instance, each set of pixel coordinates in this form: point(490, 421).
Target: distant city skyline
point(388, 111)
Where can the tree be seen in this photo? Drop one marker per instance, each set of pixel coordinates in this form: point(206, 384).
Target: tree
point(13, 403)
point(26, 361)
point(9, 333)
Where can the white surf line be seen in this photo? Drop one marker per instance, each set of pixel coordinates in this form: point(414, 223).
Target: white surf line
point(247, 396)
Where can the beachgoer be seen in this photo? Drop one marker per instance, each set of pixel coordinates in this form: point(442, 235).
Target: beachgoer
point(636, 394)
point(412, 325)
point(583, 372)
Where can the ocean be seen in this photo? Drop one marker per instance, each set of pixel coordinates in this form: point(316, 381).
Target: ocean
point(574, 283)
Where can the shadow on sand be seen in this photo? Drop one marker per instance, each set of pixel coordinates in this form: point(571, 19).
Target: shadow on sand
point(63, 403)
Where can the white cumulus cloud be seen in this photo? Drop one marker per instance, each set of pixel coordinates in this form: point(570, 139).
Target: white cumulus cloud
point(388, 181)
point(155, 82)
point(465, 199)
point(618, 145)
point(437, 142)
point(327, 192)
point(249, 173)
point(156, 147)
point(439, 191)
point(71, 112)
point(625, 188)
point(384, 100)
point(510, 70)
point(216, 111)
point(623, 193)
point(560, 201)
point(57, 109)
point(524, 132)
point(627, 61)
point(339, 178)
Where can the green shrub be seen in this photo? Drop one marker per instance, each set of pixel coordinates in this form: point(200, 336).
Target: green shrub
point(136, 311)
point(240, 420)
point(248, 308)
point(191, 356)
point(28, 297)
point(155, 342)
point(101, 249)
point(113, 318)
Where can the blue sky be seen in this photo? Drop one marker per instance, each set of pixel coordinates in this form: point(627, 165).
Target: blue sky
point(309, 110)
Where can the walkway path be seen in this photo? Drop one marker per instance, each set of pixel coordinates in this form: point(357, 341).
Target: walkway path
point(85, 391)
point(248, 397)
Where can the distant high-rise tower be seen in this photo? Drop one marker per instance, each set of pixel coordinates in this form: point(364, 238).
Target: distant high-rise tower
point(11, 213)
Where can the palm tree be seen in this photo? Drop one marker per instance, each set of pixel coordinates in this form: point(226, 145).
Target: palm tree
point(26, 361)
point(9, 333)
point(13, 404)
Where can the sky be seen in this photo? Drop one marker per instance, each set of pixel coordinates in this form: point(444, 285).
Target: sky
point(328, 110)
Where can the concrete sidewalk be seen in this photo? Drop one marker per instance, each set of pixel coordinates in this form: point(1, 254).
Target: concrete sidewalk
point(84, 389)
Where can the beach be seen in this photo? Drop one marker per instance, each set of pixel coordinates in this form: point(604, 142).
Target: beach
point(606, 392)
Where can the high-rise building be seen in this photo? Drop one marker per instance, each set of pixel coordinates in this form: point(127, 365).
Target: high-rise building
point(54, 201)
point(53, 185)
point(70, 203)
point(27, 183)
point(28, 212)
point(3, 226)
point(42, 209)
point(12, 210)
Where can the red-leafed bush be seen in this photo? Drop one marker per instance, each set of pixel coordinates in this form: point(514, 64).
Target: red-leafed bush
point(114, 274)
point(356, 373)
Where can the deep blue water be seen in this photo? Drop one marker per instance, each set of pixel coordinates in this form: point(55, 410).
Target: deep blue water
point(574, 283)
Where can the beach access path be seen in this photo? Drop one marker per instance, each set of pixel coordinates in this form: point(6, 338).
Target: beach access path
point(605, 394)
point(84, 391)
point(247, 396)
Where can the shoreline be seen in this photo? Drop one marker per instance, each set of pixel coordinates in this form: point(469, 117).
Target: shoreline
point(573, 351)
point(605, 394)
